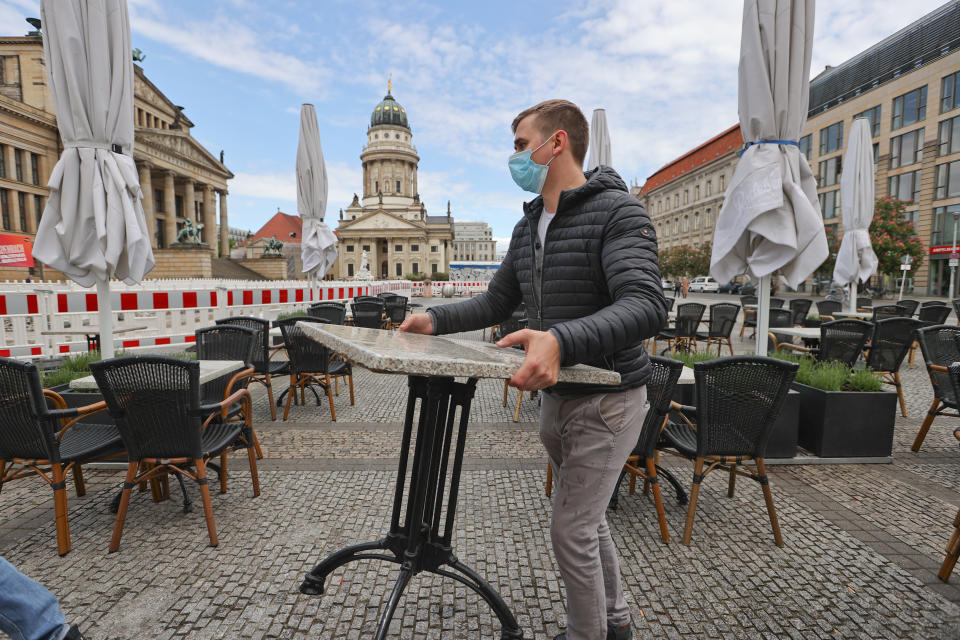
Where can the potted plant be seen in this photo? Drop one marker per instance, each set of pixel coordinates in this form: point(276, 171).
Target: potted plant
point(812, 321)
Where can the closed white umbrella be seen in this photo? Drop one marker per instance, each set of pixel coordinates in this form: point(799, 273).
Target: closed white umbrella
point(318, 247)
point(771, 218)
point(600, 153)
point(856, 260)
point(93, 226)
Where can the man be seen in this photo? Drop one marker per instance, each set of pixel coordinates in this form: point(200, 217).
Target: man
point(584, 262)
point(28, 611)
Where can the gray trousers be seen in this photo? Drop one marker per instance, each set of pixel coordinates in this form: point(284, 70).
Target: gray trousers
point(588, 439)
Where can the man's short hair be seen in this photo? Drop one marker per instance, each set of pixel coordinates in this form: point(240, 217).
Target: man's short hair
point(553, 115)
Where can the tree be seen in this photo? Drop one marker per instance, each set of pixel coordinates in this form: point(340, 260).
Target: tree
point(685, 260)
point(893, 236)
point(833, 245)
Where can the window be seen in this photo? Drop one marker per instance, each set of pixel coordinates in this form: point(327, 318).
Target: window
point(398, 186)
point(828, 173)
point(696, 193)
point(18, 161)
point(676, 225)
point(709, 188)
point(912, 217)
point(22, 203)
point(696, 220)
point(35, 168)
point(909, 108)
point(366, 247)
point(948, 139)
point(950, 92)
point(5, 208)
point(399, 266)
point(722, 179)
point(38, 207)
point(158, 201)
point(416, 267)
point(686, 223)
point(873, 115)
point(831, 138)
point(947, 180)
point(707, 218)
point(906, 149)
point(434, 248)
point(806, 142)
point(905, 186)
point(830, 204)
point(178, 205)
point(398, 248)
point(686, 196)
point(349, 269)
point(349, 248)
point(414, 247)
point(433, 268)
point(676, 200)
point(876, 152)
point(376, 186)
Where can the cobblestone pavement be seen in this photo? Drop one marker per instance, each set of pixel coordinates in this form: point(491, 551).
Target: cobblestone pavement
point(863, 542)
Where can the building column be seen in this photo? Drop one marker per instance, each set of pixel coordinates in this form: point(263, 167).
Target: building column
point(149, 215)
point(10, 161)
point(209, 219)
point(189, 200)
point(225, 226)
point(169, 209)
point(13, 199)
point(31, 213)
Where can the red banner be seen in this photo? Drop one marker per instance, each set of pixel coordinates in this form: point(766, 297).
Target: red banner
point(16, 251)
point(945, 248)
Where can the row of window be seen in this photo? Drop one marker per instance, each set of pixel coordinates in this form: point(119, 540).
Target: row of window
point(686, 194)
point(147, 119)
point(398, 269)
point(17, 170)
point(386, 187)
point(682, 225)
point(386, 136)
point(471, 256)
point(397, 248)
point(7, 200)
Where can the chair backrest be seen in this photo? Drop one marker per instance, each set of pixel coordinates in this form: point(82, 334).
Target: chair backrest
point(939, 346)
point(396, 308)
point(843, 340)
point(956, 307)
point(828, 307)
point(745, 300)
point(799, 307)
point(909, 306)
point(864, 301)
point(670, 302)
point(891, 340)
point(332, 312)
point(776, 303)
point(933, 303)
point(738, 400)
point(689, 315)
point(780, 318)
point(367, 313)
point(885, 311)
point(934, 314)
point(155, 401)
point(723, 316)
point(367, 299)
point(660, 387)
point(26, 430)
point(261, 351)
point(306, 355)
point(226, 342)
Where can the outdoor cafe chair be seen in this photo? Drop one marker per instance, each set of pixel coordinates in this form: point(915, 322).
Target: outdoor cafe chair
point(723, 316)
point(885, 311)
point(738, 401)
point(933, 303)
point(312, 364)
point(779, 318)
point(777, 303)
point(332, 312)
point(516, 322)
point(49, 443)
point(888, 347)
point(683, 337)
point(909, 307)
point(670, 302)
point(827, 308)
point(930, 316)
point(264, 367)
point(396, 310)
point(864, 302)
point(749, 315)
point(953, 545)
point(840, 341)
point(799, 308)
point(367, 299)
point(939, 346)
point(956, 309)
point(367, 313)
point(156, 401)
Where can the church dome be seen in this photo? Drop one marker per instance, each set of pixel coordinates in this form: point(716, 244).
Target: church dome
point(389, 111)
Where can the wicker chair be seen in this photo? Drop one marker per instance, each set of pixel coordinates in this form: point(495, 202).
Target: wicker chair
point(49, 443)
point(164, 425)
point(738, 401)
point(888, 347)
point(864, 302)
point(953, 545)
point(938, 344)
point(263, 367)
point(749, 315)
point(909, 307)
point(670, 302)
point(799, 308)
point(367, 313)
point(840, 341)
point(395, 308)
point(933, 303)
point(684, 334)
point(956, 309)
point(777, 303)
point(312, 364)
point(367, 299)
point(779, 318)
point(332, 312)
point(723, 316)
point(930, 316)
point(885, 311)
point(827, 308)
point(516, 322)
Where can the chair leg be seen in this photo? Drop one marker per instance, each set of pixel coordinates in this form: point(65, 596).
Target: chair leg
point(931, 414)
point(60, 509)
point(269, 385)
point(78, 482)
point(350, 378)
point(223, 472)
point(256, 444)
point(549, 488)
point(733, 480)
point(768, 498)
point(694, 494)
point(896, 383)
point(953, 552)
point(333, 410)
point(290, 393)
point(657, 499)
point(506, 389)
point(122, 509)
point(205, 497)
point(336, 386)
point(516, 413)
point(729, 344)
point(254, 475)
point(913, 348)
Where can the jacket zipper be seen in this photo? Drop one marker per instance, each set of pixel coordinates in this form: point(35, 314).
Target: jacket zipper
point(538, 274)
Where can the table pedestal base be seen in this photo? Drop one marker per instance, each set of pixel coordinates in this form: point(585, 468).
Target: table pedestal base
point(422, 542)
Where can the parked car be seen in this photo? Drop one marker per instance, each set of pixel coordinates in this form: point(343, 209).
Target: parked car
point(748, 289)
point(730, 287)
point(704, 284)
point(666, 284)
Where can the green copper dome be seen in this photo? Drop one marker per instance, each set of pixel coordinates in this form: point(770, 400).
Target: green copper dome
point(389, 111)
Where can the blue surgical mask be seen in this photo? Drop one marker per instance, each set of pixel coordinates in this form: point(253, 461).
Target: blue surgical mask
point(529, 175)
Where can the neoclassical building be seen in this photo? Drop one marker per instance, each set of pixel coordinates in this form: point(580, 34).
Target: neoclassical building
point(389, 222)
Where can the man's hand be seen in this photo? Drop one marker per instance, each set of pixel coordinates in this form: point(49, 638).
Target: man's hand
point(418, 323)
point(541, 366)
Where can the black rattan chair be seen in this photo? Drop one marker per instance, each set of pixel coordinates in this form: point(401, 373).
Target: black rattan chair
point(888, 346)
point(956, 309)
point(799, 308)
point(909, 307)
point(930, 316)
point(828, 308)
point(164, 425)
point(777, 303)
point(367, 313)
point(938, 344)
point(864, 302)
point(738, 401)
point(516, 322)
point(332, 312)
point(684, 334)
point(933, 303)
point(395, 308)
point(670, 302)
point(723, 316)
point(49, 443)
point(263, 366)
point(749, 315)
point(840, 341)
point(312, 364)
point(779, 318)
point(885, 311)
point(953, 545)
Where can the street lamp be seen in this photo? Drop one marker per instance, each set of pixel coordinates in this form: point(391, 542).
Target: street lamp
point(953, 253)
point(905, 262)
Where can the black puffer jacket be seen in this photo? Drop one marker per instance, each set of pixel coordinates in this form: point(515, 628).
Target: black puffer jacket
point(600, 291)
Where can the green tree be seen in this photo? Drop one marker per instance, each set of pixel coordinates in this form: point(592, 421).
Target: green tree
point(833, 245)
point(893, 236)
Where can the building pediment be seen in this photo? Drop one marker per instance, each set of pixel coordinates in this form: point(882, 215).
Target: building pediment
point(379, 219)
point(180, 149)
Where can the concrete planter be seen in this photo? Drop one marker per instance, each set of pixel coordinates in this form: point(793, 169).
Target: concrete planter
point(82, 399)
point(846, 424)
point(783, 438)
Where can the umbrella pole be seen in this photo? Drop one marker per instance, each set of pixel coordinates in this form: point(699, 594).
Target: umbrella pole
point(105, 316)
point(763, 315)
point(853, 296)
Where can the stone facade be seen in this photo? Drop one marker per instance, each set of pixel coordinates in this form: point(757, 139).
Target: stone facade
point(473, 241)
point(181, 263)
point(270, 268)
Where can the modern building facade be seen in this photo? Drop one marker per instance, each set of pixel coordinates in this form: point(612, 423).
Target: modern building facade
point(473, 241)
point(908, 87)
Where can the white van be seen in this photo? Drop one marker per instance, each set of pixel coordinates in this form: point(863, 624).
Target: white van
point(704, 284)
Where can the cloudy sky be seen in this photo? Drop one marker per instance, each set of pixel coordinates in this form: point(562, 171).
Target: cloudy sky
point(664, 70)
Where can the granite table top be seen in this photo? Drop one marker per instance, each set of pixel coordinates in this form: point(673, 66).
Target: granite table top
point(414, 354)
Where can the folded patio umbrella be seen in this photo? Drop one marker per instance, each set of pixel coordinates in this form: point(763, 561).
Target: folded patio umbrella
point(93, 226)
point(600, 153)
point(856, 260)
point(770, 219)
point(318, 247)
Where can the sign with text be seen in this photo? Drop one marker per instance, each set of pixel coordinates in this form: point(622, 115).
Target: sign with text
point(16, 251)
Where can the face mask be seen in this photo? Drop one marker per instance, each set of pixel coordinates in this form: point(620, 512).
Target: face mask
point(529, 175)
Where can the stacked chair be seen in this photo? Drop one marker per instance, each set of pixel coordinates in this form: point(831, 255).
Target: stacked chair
point(888, 346)
point(264, 366)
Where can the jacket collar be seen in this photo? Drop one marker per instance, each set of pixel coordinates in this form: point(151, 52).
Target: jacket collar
point(599, 179)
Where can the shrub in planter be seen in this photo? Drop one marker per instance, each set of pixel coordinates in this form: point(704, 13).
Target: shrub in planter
point(812, 321)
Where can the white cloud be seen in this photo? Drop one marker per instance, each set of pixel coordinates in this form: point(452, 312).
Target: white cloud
point(13, 17)
point(281, 188)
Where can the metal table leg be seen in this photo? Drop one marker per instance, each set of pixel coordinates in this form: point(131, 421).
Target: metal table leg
point(422, 541)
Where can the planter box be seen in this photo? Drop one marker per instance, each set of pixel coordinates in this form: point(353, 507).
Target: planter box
point(82, 399)
point(846, 424)
point(783, 438)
